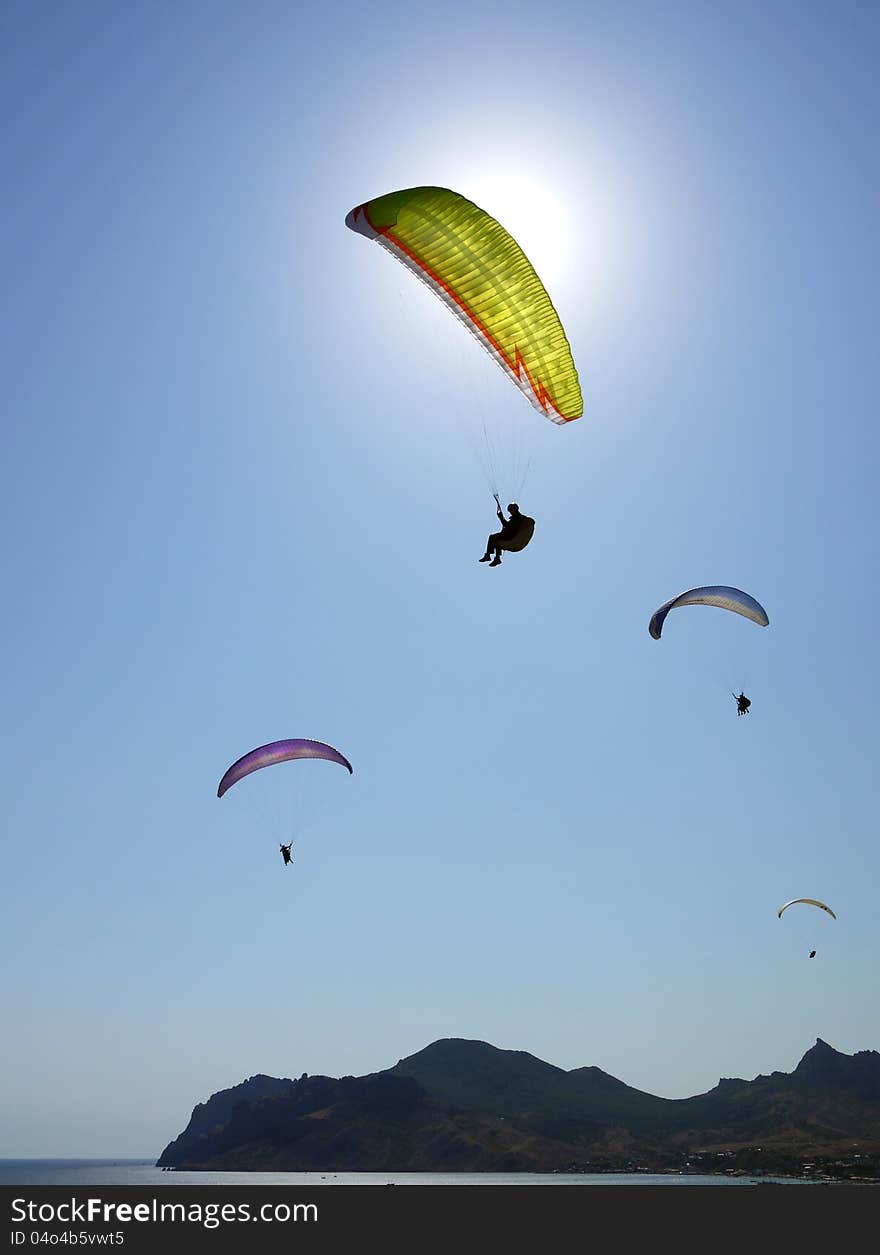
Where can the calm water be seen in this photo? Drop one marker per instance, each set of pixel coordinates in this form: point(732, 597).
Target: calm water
point(134, 1172)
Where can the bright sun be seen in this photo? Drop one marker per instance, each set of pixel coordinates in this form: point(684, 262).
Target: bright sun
point(529, 211)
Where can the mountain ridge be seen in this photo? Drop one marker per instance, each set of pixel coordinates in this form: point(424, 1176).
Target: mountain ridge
point(466, 1105)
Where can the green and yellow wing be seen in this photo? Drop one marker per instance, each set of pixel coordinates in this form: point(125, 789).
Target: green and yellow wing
point(480, 272)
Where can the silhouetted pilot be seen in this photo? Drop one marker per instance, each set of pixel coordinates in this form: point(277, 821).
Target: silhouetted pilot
point(285, 853)
point(515, 534)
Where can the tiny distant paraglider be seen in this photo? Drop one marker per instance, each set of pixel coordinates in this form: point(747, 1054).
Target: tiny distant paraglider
point(279, 752)
point(742, 704)
point(809, 902)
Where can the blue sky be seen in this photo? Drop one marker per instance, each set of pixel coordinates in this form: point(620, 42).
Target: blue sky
point(240, 501)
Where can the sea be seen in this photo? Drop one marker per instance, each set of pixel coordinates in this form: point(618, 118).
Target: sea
point(143, 1172)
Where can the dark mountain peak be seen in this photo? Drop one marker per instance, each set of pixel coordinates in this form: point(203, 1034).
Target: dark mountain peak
point(821, 1060)
point(462, 1052)
point(822, 1065)
point(213, 1114)
point(261, 1081)
point(599, 1081)
point(520, 1089)
point(257, 1086)
point(729, 1083)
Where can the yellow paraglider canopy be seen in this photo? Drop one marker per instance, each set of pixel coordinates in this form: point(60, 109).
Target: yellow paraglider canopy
point(480, 272)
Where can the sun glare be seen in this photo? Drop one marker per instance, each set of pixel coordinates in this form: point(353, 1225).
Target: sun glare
point(532, 215)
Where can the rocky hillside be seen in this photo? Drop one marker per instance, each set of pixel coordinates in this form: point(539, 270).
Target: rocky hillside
point(464, 1105)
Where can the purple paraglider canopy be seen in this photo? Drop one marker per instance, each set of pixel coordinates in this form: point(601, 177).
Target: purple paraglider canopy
point(279, 752)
